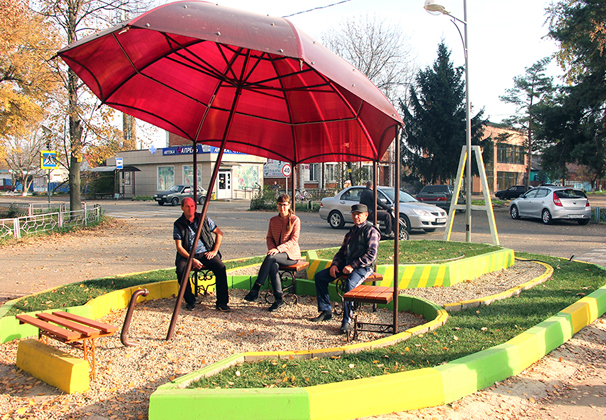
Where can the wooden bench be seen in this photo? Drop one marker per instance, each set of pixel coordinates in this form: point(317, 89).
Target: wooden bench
point(204, 274)
point(374, 278)
point(74, 330)
point(286, 273)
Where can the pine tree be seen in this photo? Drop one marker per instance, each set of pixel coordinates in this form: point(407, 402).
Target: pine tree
point(435, 121)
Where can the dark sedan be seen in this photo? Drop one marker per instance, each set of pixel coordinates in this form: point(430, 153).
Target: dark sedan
point(510, 193)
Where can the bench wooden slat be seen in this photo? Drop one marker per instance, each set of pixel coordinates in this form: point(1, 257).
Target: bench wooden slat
point(86, 321)
point(61, 333)
point(301, 265)
point(370, 294)
point(68, 324)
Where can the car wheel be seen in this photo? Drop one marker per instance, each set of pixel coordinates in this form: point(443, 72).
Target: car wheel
point(546, 217)
point(174, 201)
point(201, 200)
point(160, 203)
point(583, 222)
point(404, 236)
point(335, 219)
point(405, 223)
point(513, 211)
point(430, 230)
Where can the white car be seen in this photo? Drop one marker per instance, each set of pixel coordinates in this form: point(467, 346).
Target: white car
point(550, 203)
point(415, 215)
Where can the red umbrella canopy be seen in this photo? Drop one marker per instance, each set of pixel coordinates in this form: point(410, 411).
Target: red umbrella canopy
point(203, 72)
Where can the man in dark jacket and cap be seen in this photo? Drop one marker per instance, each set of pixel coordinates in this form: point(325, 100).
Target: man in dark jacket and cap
point(355, 259)
point(206, 252)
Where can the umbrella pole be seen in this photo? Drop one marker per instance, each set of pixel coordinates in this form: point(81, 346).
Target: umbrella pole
point(396, 241)
point(213, 178)
point(375, 175)
point(294, 174)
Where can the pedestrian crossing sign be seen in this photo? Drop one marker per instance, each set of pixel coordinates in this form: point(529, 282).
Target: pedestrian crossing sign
point(48, 160)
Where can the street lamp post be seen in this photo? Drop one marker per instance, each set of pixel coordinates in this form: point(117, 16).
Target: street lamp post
point(434, 8)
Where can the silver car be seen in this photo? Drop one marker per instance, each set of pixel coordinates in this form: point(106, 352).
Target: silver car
point(551, 203)
point(415, 215)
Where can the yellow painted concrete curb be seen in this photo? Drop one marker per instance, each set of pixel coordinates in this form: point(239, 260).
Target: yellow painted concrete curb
point(53, 366)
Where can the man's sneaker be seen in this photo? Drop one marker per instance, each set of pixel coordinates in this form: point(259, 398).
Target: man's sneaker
point(345, 327)
point(190, 306)
point(276, 305)
point(324, 316)
point(223, 307)
point(252, 295)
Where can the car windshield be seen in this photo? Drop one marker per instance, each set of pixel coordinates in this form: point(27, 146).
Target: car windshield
point(404, 197)
point(570, 194)
point(175, 188)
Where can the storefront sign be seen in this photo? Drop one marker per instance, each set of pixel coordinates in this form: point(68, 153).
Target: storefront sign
point(188, 150)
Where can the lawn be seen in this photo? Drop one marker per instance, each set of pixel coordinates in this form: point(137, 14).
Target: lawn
point(466, 332)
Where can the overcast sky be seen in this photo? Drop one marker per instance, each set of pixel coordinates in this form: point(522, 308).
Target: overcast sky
point(504, 36)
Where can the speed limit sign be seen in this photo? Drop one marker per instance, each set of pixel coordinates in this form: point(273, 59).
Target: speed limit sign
point(286, 169)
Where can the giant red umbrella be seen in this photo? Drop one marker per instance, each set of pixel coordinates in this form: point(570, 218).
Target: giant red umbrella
point(236, 80)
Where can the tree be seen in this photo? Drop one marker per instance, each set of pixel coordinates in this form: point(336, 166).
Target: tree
point(27, 41)
point(74, 18)
point(377, 49)
point(527, 93)
point(23, 156)
point(435, 121)
point(574, 122)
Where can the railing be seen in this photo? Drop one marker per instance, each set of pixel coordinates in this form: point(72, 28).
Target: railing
point(35, 223)
point(598, 215)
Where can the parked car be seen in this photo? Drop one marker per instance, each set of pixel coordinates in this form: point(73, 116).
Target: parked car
point(439, 195)
point(512, 192)
point(551, 203)
point(337, 210)
point(177, 193)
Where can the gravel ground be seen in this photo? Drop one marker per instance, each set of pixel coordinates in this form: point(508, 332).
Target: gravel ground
point(126, 376)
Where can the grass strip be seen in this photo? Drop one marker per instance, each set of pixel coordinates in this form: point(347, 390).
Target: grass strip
point(422, 251)
point(77, 294)
point(466, 332)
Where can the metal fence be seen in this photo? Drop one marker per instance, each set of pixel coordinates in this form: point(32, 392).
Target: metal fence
point(39, 221)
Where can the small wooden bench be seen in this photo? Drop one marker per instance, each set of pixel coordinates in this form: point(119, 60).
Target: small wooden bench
point(374, 278)
point(286, 273)
point(368, 294)
point(199, 275)
point(73, 330)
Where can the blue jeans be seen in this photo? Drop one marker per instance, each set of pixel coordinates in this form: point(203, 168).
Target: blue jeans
point(322, 280)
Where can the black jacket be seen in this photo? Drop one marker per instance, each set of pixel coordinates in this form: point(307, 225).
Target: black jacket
point(206, 236)
point(367, 197)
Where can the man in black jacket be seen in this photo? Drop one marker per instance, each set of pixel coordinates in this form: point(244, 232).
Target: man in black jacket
point(367, 198)
point(354, 260)
point(206, 253)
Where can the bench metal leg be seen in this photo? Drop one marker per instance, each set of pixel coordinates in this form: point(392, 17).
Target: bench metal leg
point(202, 276)
point(289, 293)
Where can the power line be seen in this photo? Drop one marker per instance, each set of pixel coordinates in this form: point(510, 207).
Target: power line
point(317, 8)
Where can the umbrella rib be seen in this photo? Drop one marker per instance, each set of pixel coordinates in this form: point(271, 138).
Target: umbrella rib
point(362, 126)
point(115, 104)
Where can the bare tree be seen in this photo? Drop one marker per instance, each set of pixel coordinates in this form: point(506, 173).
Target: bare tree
point(378, 49)
point(77, 18)
point(23, 156)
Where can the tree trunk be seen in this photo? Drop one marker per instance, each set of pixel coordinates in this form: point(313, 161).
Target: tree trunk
point(75, 141)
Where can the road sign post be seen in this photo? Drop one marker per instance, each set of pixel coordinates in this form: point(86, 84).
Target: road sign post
point(286, 171)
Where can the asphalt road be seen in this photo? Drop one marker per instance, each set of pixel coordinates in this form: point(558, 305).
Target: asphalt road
point(562, 239)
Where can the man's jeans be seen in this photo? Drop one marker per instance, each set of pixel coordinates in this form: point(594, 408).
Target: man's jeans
point(323, 279)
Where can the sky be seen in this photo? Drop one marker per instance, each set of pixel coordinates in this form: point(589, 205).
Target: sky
point(504, 36)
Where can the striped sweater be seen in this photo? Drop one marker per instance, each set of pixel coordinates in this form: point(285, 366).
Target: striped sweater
point(283, 240)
